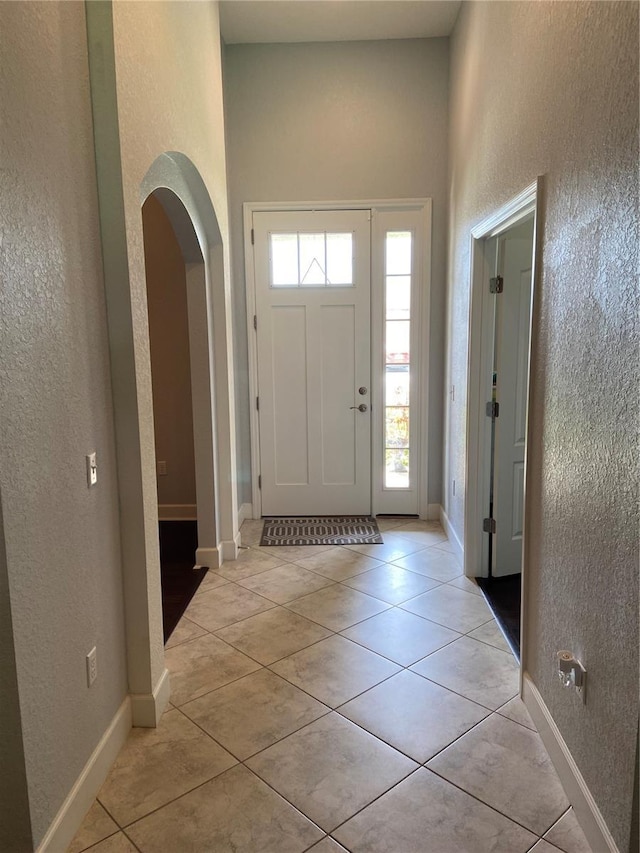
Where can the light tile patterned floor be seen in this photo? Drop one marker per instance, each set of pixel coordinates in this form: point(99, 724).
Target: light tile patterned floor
point(329, 699)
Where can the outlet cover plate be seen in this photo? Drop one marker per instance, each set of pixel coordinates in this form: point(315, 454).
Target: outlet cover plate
point(92, 666)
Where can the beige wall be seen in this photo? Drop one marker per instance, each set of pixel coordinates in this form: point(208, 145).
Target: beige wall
point(169, 98)
point(552, 89)
point(62, 539)
point(348, 120)
point(170, 368)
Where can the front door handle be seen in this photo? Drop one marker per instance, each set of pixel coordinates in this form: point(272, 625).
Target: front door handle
point(361, 408)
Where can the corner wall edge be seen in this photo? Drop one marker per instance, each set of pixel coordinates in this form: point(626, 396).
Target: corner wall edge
point(147, 708)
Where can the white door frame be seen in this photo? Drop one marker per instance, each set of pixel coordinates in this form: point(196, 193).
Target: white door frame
point(375, 205)
point(479, 368)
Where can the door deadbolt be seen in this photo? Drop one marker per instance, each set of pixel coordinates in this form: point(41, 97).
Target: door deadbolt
point(361, 408)
point(362, 390)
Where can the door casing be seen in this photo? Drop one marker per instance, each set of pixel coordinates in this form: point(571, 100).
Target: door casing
point(376, 206)
point(479, 367)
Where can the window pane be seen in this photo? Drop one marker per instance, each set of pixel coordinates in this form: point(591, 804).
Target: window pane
point(340, 260)
point(312, 260)
point(398, 300)
point(397, 385)
point(396, 427)
point(284, 260)
point(396, 473)
point(398, 253)
point(397, 341)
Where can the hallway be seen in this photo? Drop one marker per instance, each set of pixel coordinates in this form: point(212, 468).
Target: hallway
point(332, 698)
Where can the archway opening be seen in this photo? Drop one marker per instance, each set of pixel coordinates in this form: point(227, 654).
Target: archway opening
point(174, 272)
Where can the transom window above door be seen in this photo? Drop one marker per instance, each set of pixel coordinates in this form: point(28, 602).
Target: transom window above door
point(304, 259)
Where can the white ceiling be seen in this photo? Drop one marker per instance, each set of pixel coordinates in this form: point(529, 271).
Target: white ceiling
point(271, 21)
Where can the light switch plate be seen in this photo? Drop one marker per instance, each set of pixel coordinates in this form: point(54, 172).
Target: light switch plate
point(92, 469)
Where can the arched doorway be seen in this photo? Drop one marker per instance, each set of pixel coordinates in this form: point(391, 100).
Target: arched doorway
point(182, 409)
point(177, 184)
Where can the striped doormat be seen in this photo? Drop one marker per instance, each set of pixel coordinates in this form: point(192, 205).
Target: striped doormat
point(322, 530)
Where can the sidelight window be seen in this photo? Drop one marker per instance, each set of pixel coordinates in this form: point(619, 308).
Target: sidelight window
point(397, 348)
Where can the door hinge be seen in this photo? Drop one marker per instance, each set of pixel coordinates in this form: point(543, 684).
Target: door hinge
point(496, 285)
point(488, 525)
point(258, 403)
point(493, 409)
point(260, 481)
point(253, 237)
point(255, 321)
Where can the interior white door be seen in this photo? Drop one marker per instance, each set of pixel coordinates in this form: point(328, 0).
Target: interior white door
point(312, 279)
point(513, 320)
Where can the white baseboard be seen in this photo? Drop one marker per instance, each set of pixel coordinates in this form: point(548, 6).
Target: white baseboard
point(147, 708)
point(433, 512)
point(453, 536)
point(245, 512)
point(177, 512)
point(229, 548)
point(584, 806)
point(209, 557)
point(80, 799)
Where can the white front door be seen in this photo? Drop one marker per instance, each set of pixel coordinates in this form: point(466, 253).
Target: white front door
point(513, 318)
point(312, 281)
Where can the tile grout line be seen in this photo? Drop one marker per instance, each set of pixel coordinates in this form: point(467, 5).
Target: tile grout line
point(111, 834)
point(453, 784)
point(557, 820)
point(335, 633)
point(329, 709)
point(406, 668)
point(420, 766)
point(382, 563)
point(338, 633)
point(131, 841)
point(388, 791)
point(470, 794)
point(336, 710)
point(328, 832)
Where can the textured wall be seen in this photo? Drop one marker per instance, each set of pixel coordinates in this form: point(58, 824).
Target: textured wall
point(170, 368)
point(552, 89)
point(62, 539)
point(169, 90)
point(356, 120)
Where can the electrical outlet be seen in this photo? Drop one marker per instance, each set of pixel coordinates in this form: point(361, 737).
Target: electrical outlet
point(92, 667)
point(572, 673)
point(162, 469)
point(92, 469)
